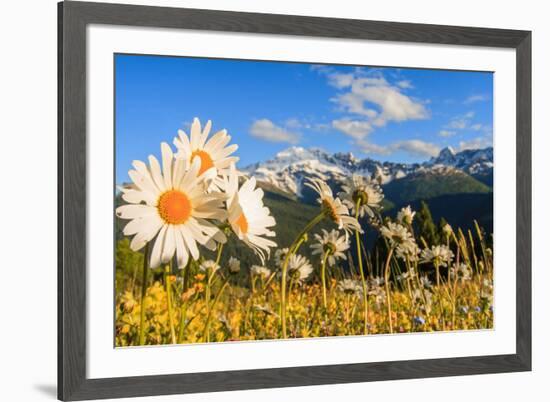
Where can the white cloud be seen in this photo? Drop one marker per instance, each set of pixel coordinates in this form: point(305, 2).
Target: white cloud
point(321, 68)
point(446, 133)
point(476, 98)
point(476, 143)
point(265, 129)
point(340, 80)
point(354, 104)
point(416, 148)
point(405, 84)
point(371, 101)
point(464, 122)
point(369, 148)
point(295, 123)
point(371, 96)
point(357, 129)
point(458, 124)
point(461, 122)
point(393, 105)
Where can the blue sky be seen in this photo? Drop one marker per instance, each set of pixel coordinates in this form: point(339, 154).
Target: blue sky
point(393, 114)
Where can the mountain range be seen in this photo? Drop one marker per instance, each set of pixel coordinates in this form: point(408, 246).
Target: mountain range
point(456, 186)
point(288, 169)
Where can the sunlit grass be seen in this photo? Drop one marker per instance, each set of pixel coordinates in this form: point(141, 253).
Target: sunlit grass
point(248, 307)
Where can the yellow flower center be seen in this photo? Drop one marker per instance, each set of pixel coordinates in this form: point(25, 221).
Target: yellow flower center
point(206, 160)
point(174, 207)
point(242, 223)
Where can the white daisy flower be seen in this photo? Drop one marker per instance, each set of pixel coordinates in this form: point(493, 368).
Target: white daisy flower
point(425, 282)
point(280, 255)
point(234, 265)
point(333, 207)
point(486, 289)
point(410, 254)
point(462, 272)
point(405, 275)
point(398, 236)
point(248, 216)
point(366, 192)
point(349, 286)
point(260, 271)
point(406, 215)
point(418, 295)
point(212, 153)
point(170, 203)
point(379, 295)
point(209, 266)
point(422, 297)
point(331, 243)
point(437, 255)
point(299, 267)
point(376, 282)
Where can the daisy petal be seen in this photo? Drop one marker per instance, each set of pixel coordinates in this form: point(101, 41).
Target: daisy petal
point(169, 245)
point(167, 157)
point(157, 248)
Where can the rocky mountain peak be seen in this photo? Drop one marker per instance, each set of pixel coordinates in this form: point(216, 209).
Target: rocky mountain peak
point(288, 169)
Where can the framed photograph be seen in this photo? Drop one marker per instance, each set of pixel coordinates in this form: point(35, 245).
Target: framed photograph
point(257, 201)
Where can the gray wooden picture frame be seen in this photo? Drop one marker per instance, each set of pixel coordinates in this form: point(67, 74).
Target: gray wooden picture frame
point(73, 18)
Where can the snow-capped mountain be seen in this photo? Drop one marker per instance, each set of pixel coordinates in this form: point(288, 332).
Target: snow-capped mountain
point(288, 169)
point(472, 161)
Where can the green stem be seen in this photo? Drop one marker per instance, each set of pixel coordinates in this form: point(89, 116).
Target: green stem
point(323, 278)
point(439, 293)
point(409, 290)
point(348, 308)
point(183, 317)
point(209, 286)
point(387, 284)
point(169, 300)
point(268, 281)
point(453, 312)
point(207, 299)
point(143, 293)
point(219, 256)
point(291, 290)
point(183, 311)
point(363, 281)
point(206, 335)
point(293, 248)
point(448, 262)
